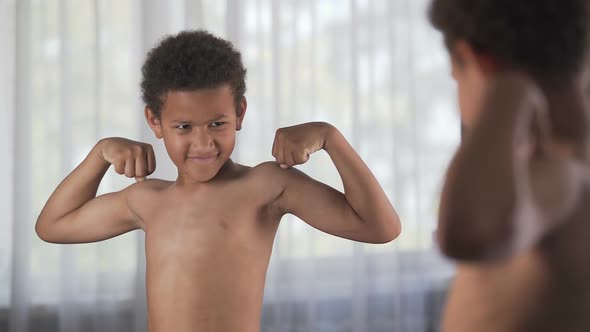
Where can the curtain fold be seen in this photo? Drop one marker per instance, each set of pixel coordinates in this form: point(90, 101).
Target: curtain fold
point(373, 68)
point(19, 256)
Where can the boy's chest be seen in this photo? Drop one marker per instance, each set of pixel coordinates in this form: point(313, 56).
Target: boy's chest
point(210, 215)
point(211, 219)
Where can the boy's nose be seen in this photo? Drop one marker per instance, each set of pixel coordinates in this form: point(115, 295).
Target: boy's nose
point(202, 140)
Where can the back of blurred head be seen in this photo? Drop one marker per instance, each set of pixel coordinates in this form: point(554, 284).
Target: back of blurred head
point(548, 39)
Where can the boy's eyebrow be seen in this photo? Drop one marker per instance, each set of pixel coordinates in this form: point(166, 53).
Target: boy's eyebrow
point(216, 118)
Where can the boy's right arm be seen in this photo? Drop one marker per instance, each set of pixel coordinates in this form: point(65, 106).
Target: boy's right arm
point(73, 213)
point(508, 185)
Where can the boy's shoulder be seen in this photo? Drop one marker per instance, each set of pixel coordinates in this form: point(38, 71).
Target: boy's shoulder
point(240, 172)
point(271, 175)
point(151, 184)
point(270, 170)
point(266, 167)
point(148, 186)
point(263, 172)
point(145, 197)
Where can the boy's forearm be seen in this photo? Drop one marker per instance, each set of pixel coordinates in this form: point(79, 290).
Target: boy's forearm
point(361, 188)
point(477, 197)
point(77, 188)
point(476, 217)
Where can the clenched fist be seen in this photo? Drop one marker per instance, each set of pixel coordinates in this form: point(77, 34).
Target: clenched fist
point(293, 145)
point(134, 159)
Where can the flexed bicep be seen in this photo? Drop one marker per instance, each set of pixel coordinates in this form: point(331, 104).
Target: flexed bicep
point(100, 218)
point(362, 212)
point(73, 213)
point(323, 208)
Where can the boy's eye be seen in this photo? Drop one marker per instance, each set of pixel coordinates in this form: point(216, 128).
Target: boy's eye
point(183, 127)
point(217, 124)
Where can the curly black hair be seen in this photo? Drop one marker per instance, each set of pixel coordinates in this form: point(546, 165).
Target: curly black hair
point(546, 38)
point(191, 60)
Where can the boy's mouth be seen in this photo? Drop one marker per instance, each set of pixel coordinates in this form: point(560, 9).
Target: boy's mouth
point(204, 159)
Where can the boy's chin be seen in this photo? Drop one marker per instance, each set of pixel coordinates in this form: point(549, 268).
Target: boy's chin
point(204, 173)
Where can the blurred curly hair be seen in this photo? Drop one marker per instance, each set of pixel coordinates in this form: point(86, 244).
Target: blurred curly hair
point(547, 38)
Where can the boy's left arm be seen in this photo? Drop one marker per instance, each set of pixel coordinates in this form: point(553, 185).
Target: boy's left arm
point(362, 213)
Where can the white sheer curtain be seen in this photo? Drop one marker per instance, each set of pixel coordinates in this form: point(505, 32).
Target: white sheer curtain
point(374, 68)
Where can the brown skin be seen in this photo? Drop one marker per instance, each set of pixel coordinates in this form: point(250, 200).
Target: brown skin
point(524, 150)
point(209, 234)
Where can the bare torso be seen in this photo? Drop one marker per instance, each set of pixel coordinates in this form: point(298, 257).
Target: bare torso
point(544, 289)
point(207, 251)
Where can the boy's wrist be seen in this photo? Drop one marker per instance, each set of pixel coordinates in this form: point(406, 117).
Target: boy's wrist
point(329, 134)
point(97, 151)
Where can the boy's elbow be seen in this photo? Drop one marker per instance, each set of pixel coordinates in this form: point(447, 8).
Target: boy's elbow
point(47, 237)
point(461, 250)
point(42, 231)
point(41, 228)
point(468, 246)
point(474, 253)
point(389, 232)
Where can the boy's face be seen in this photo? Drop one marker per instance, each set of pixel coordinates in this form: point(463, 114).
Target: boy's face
point(472, 72)
point(199, 130)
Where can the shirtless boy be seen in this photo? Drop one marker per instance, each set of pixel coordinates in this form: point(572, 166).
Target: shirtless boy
point(515, 209)
point(210, 233)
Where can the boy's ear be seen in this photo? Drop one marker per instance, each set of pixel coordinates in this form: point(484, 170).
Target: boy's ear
point(241, 112)
point(465, 54)
point(153, 121)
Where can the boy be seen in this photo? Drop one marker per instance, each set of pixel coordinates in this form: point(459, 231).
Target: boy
point(209, 234)
point(515, 206)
